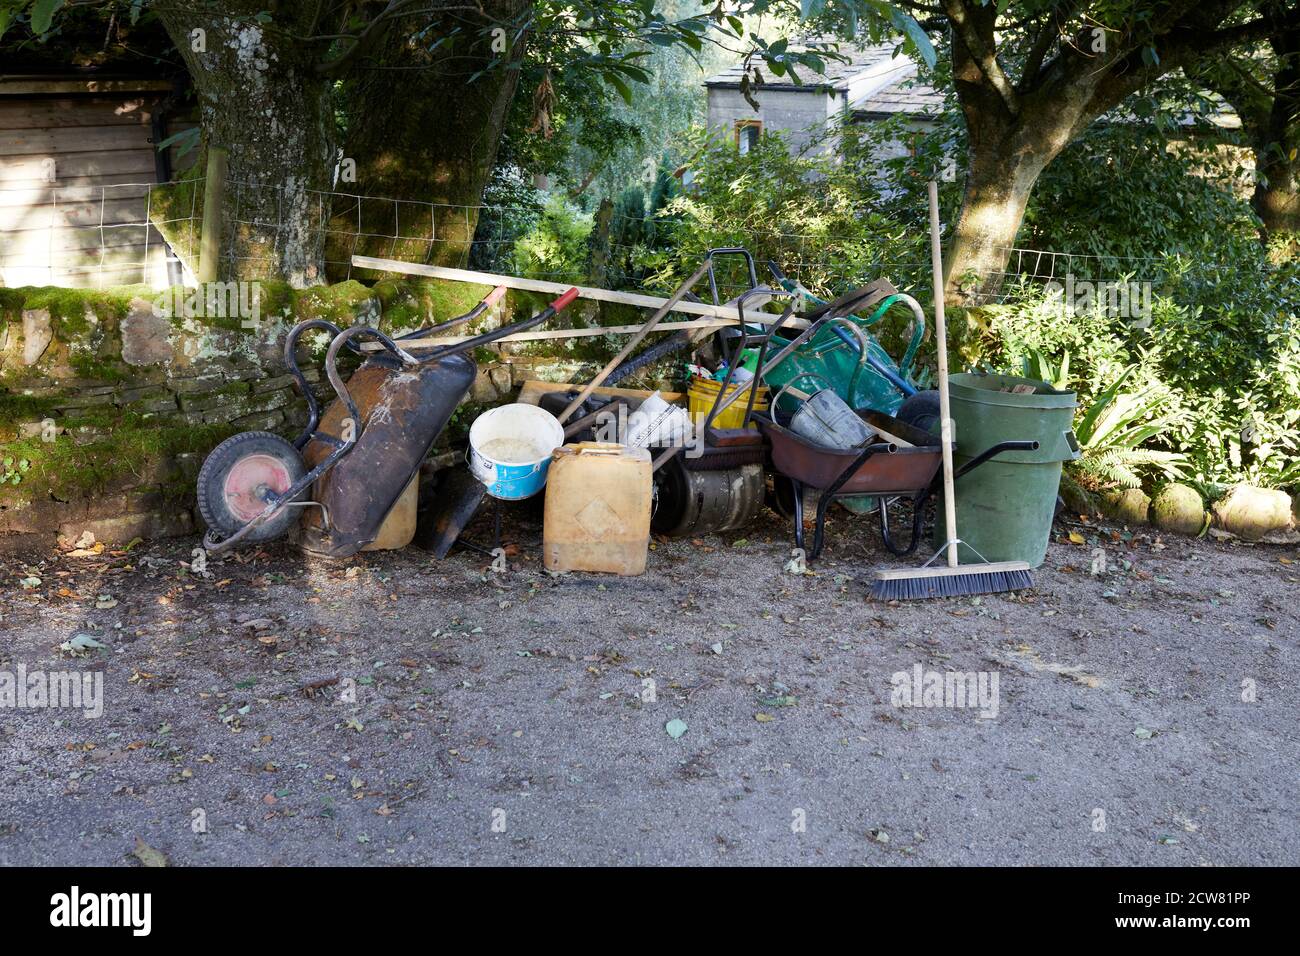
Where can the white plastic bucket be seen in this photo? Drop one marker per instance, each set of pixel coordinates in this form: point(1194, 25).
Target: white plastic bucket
point(510, 449)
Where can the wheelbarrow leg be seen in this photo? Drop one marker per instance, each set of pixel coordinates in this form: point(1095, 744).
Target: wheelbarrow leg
point(819, 533)
point(828, 494)
point(918, 512)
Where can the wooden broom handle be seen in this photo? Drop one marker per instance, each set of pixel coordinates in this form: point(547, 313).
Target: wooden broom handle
point(645, 330)
point(945, 415)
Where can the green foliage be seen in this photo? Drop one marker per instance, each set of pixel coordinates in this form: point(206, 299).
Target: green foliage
point(1124, 190)
point(802, 210)
point(1114, 429)
point(1213, 378)
point(556, 247)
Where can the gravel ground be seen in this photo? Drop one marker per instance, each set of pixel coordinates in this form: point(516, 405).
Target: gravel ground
point(467, 716)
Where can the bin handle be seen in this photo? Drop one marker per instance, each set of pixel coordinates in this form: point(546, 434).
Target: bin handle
point(1072, 442)
point(993, 452)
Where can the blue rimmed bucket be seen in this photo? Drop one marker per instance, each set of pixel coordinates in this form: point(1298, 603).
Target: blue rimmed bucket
point(510, 449)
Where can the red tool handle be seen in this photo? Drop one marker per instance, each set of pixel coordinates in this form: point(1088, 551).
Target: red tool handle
point(563, 301)
point(495, 296)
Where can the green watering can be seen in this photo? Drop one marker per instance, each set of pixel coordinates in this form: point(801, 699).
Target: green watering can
point(844, 357)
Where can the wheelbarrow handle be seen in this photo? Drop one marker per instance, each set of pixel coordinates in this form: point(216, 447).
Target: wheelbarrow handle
point(724, 399)
point(489, 337)
point(993, 452)
point(730, 251)
point(291, 361)
point(489, 300)
point(875, 448)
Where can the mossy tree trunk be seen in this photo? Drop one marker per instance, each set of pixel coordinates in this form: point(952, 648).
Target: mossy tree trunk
point(1263, 88)
point(435, 141)
point(1276, 143)
point(262, 98)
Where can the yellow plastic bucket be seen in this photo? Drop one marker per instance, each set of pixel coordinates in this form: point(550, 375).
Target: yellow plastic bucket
point(703, 392)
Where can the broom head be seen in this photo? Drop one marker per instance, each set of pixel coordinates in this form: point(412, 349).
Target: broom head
point(919, 583)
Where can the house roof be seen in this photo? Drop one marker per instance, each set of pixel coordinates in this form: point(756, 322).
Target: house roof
point(874, 78)
point(880, 83)
point(907, 95)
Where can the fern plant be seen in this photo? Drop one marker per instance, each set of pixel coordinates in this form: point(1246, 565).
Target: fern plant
point(1113, 430)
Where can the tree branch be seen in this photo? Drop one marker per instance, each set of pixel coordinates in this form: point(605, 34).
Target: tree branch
point(366, 39)
point(1179, 48)
point(981, 49)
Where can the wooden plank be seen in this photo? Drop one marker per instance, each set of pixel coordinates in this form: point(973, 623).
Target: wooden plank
point(531, 392)
point(584, 292)
point(74, 139)
point(79, 165)
point(142, 179)
point(579, 333)
point(111, 212)
point(29, 242)
point(36, 85)
point(115, 256)
point(51, 194)
point(82, 111)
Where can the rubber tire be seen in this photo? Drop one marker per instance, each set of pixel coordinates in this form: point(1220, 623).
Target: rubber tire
point(921, 411)
point(780, 497)
point(212, 478)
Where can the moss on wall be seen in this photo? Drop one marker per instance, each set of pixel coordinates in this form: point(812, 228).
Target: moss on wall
point(121, 428)
point(124, 447)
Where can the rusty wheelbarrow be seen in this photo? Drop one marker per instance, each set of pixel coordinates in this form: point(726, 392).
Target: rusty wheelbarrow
point(903, 465)
point(356, 459)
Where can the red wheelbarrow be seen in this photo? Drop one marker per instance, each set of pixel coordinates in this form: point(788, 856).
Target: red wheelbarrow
point(889, 469)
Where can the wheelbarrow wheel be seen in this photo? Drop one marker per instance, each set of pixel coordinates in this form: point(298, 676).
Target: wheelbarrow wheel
point(238, 478)
point(780, 497)
point(921, 411)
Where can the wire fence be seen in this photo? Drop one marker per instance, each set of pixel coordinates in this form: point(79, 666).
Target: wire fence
point(150, 233)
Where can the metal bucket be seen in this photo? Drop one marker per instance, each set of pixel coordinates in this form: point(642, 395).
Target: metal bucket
point(826, 419)
point(510, 449)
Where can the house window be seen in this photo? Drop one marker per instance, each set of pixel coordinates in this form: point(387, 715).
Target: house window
point(747, 133)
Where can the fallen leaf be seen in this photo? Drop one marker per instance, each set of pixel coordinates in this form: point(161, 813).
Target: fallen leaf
point(80, 644)
point(147, 855)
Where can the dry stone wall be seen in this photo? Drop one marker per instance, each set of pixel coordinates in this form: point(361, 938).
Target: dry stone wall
point(109, 400)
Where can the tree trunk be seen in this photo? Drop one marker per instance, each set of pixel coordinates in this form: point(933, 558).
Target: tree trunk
point(435, 143)
point(260, 99)
point(1005, 155)
point(1277, 152)
point(998, 184)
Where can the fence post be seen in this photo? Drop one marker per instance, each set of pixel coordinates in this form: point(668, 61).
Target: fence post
point(214, 188)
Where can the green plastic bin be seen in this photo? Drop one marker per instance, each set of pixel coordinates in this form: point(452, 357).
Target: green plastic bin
point(1005, 506)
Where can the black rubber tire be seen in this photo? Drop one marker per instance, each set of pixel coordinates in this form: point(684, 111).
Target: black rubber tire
point(212, 479)
point(780, 497)
point(921, 411)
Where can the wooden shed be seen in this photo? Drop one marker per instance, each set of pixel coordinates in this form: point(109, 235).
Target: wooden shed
point(77, 160)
